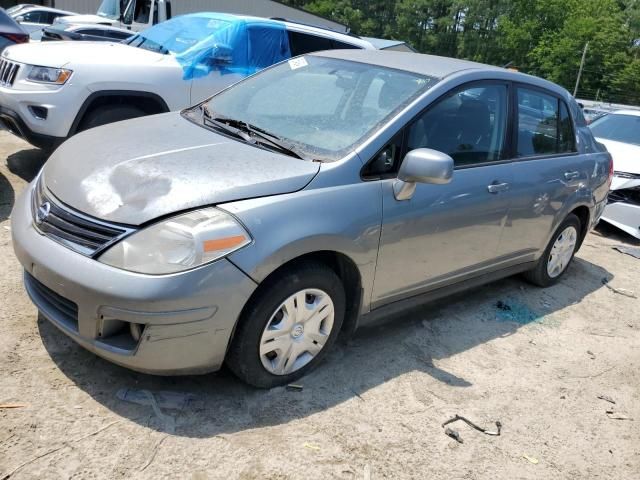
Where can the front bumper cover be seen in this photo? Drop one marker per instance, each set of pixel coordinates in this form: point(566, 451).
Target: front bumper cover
point(11, 121)
point(187, 319)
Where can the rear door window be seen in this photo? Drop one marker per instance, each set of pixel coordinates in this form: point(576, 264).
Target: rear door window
point(301, 43)
point(544, 125)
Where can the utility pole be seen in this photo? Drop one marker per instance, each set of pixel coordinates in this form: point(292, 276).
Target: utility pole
point(584, 55)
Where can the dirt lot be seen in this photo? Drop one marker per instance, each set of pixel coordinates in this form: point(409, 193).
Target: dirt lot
point(373, 410)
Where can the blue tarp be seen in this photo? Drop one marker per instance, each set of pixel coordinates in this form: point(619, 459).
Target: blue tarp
point(203, 42)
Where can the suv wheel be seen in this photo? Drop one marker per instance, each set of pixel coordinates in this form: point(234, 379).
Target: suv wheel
point(558, 254)
point(288, 327)
point(109, 114)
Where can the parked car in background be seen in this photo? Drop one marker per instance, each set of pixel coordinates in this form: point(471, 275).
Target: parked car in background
point(313, 197)
point(10, 32)
point(96, 33)
point(36, 17)
point(620, 133)
point(167, 67)
point(134, 15)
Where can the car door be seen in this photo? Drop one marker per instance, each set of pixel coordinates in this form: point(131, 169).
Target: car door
point(547, 170)
point(445, 233)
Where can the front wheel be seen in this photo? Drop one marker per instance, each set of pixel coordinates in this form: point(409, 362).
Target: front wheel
point(109, 114)
point(558, 254)
point(288, 327)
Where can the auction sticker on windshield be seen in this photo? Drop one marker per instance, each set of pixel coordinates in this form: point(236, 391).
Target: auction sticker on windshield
point(296, 63)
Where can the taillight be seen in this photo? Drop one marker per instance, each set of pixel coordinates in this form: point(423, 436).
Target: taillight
point(17, 37)
point(610, 179)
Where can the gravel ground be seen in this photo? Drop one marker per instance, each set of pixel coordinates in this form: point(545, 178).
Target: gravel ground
point(373, 410)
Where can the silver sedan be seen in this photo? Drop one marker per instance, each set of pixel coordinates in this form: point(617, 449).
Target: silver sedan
point(323, 193)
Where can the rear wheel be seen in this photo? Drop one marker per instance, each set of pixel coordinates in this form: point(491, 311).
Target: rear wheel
point(109, 114)
point(558, 255)
point(288, 327)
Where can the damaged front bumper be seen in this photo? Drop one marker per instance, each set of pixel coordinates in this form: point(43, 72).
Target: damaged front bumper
point(623, 207)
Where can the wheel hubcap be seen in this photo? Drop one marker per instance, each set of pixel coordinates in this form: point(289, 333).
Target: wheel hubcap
point(297, 331)
point(562, 251)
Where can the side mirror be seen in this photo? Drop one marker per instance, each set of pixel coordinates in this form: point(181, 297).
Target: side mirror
point(19, 19)
point(422, 165)
point(219, 55)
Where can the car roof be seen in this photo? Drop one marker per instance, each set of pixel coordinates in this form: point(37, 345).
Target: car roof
point(430, 65)
point(635, 113)
point(28, 8)
point(88, 26)
point(435, 66)
point(293, 26)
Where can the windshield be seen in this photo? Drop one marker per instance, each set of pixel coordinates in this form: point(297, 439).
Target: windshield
point(178, 34)
point(321, 106)
point(111, 8)
point(618, 127)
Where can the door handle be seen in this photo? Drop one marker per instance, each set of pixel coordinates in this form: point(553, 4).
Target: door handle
point(498, 187)
point(571, 175)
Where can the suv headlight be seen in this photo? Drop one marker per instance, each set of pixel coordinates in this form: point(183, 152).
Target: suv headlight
point(57, 76)
point(179, 243)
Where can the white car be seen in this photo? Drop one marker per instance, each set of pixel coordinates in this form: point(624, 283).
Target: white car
point(135, 15)
point(51, 90)
point(36, 17)
point(620, 133)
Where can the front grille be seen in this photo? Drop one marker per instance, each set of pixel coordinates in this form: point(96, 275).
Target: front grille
point(63, 310)
point(8, 72)
point(72, 229)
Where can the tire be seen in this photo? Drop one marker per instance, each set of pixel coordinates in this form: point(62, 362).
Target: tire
point(540, 275)
point(266, 315)
point(109, 114)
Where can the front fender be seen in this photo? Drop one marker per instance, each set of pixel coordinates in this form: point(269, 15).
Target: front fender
point(344, 219)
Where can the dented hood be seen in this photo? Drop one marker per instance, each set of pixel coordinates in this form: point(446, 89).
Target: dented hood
point(135, 171)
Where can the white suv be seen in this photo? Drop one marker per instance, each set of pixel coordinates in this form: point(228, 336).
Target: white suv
point(52, 90)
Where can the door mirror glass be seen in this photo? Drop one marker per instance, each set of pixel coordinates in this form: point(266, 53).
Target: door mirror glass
point(220, 55)
point(424, 165)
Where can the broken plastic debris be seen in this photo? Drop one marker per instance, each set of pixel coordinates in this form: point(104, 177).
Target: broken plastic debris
point(617, 416)
point(453, 434)
point(606, 398)
point(533, 460)
point(12, 405)
point(295, 387)
point(633, 251)
point(311, 446)
point(457, 417)
point(619, 291)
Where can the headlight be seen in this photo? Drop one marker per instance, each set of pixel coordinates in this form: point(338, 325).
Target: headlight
point(179, 243)
point(57, 76)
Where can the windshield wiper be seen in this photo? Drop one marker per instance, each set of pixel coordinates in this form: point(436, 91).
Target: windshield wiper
point(249, 133)
point(259, 135)
point(207, 118)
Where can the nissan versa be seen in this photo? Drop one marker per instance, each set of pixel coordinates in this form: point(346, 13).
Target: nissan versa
point(326, 191)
